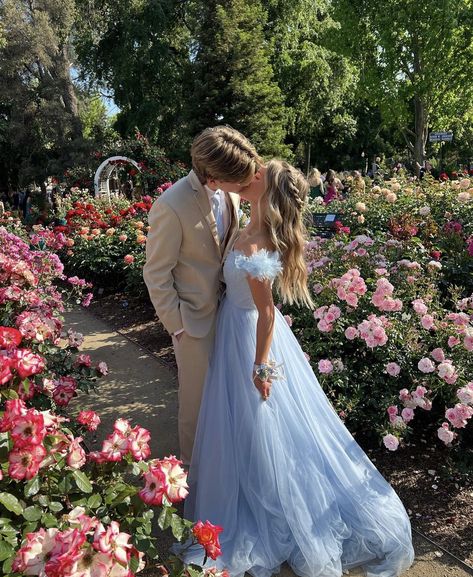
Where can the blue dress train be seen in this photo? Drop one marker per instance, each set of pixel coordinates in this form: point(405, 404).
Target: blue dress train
point(284, 477)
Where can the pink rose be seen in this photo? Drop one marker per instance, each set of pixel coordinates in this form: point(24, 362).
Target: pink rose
point(392, 410)
point(465, 394)
point(419, 306)
point(445, 434)
point(425, 365)
point(325, 366)
point(76, 456)
point(407, 414)
point(393, 369)
point(438, 355)
point(89, 419)
point(129, 259)
point(427, 322)
point(391, 442)
point(453, 341)
point(351, 333)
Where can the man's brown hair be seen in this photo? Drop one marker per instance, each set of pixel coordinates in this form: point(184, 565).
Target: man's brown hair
point(223, 153)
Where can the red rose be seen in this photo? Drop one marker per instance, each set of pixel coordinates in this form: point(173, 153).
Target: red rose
point(207, 535)
point(436, 254)
point(9, 337)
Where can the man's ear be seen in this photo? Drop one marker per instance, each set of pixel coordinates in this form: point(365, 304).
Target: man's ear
point(211, 183)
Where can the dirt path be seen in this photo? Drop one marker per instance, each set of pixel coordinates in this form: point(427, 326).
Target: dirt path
point(141, 389)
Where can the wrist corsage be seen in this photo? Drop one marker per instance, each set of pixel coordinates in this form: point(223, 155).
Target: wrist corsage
point(269, 371)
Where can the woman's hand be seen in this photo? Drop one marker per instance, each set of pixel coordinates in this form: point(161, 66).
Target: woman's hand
point(264, 387)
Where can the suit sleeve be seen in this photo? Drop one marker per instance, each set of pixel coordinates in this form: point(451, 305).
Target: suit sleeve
point(162, 253)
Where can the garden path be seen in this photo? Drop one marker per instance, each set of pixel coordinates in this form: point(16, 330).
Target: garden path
point(141, 389)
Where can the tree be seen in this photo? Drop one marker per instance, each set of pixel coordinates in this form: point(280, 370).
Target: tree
point(232, 77)
point(413, 59)
point(40, 117)
point(318, 83)
point(139, 53)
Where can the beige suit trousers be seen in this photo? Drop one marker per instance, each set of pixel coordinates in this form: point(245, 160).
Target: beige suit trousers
point(192, 357)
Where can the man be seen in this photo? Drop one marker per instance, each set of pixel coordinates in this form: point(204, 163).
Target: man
point(193, 225)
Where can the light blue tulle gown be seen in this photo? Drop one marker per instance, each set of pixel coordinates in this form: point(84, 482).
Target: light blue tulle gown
point(284, 477)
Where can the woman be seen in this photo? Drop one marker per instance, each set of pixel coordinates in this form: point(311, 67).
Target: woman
point(273, 464)
point(331, 187)
point(316, 185)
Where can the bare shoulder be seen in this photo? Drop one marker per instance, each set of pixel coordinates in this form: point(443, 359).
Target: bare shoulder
point(253, 244)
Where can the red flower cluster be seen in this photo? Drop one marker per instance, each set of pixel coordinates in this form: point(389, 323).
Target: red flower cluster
point(340, 229)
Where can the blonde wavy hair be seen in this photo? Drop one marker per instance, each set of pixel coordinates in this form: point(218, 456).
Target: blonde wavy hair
point(286, 192)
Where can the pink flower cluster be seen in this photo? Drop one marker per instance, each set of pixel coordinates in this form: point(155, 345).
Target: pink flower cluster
point(382, 297)
point(86, 548)
point(415, 398)
point(123, 441)
point(350, 286)
point(165, 482)
point(28, 429)
point(327, 316)
point(372, 331)
point(39, 325)
point(459, 415)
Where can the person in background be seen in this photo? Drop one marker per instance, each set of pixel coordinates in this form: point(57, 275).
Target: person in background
point(331, 190)
point(359, 185)
point(317, 188)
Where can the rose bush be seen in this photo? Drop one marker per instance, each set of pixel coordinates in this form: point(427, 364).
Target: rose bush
point(68, 511)
point(104, 241)
point(438, 214)
point(388, 353)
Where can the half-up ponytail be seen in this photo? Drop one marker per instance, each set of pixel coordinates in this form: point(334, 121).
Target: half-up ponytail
point(287, 191)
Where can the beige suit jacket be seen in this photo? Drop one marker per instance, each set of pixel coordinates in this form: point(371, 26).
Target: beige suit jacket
point(184, 256)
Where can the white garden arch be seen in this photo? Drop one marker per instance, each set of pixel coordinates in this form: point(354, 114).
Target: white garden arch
point(105, 171)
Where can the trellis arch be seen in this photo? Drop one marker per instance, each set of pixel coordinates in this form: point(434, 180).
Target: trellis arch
point(104, 172)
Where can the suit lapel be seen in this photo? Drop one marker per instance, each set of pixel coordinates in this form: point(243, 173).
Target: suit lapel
point(233, 230)
point(202, 199)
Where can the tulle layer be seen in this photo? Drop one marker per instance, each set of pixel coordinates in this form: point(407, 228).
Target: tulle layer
point(284, 478)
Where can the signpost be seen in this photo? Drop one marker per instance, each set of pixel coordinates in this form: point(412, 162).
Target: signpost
point(441, 137)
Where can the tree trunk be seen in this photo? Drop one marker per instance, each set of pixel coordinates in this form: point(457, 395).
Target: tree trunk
point(67, 91)
point(421, 132)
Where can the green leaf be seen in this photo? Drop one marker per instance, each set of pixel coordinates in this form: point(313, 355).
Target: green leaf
point(82, 481)
point(133, 564)
point(7, 565)
point(6, 550)
point(123, 495)
point(165, 518)
point(94, 501)
point(194, 572)
point(9, 394)
point(30, 528)
point(32, 487)
point(56, 506)
point(177, 527)
point(11, 503)
point(32, 513)
point(49, 520)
